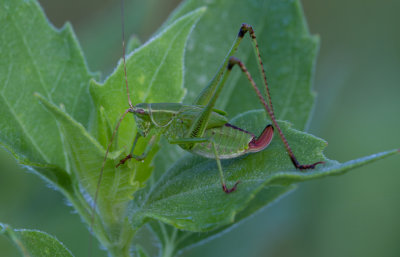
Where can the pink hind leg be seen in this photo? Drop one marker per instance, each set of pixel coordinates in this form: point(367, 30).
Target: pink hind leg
point(261, 142)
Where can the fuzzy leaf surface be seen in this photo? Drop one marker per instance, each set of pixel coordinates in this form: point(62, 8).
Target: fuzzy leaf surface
point(264, 177)
point(35, 243)
point(36, 57)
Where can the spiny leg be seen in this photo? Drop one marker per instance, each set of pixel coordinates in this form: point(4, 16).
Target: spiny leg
point(210, 94)
point(260, 65)
point(221, 173)
point(207, 93)
point(232, 62)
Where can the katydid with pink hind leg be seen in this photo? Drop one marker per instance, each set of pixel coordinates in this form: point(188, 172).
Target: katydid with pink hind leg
point(200, 128)
point(203, 130)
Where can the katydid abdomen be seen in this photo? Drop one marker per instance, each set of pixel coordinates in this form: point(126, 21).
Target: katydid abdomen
point(231, 141)
point(175, 119)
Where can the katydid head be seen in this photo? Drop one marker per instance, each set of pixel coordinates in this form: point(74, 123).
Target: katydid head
point(142, 118)
point(154, 115)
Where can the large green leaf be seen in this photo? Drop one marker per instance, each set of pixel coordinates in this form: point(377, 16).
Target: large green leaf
point(86, 156)
point(34, 243)
point(175, 240)
point(36, 57)
point(196, 179)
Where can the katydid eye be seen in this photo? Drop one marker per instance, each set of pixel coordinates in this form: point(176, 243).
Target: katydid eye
point(140, 111)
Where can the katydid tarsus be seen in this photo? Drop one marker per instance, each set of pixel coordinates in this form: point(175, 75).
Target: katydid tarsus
point(199, 128)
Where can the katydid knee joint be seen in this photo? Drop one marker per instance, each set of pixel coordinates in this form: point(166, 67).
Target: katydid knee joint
point(232, 62)
point(245, 28)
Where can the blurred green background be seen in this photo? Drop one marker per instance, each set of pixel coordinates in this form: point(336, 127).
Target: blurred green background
point(357, 112)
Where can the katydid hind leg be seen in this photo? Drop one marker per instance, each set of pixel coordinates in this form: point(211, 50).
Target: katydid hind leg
point(207, 93)
point(271, 113)
point(210, 94)
point(261, 142)
point(235, 61)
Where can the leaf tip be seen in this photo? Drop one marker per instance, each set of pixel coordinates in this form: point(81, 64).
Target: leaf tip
point(197, 13)
point(202, 9)
point(3, 228)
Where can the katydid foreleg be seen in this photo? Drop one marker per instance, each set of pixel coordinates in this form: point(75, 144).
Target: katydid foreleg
point(134, 156)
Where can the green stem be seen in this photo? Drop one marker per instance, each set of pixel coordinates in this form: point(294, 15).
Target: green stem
point(169, 242)
point(122, 248)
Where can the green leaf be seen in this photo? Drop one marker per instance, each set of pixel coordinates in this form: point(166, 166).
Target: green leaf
point(176, 240)
point(36, 57)
point(34, 243)
point(86, 156)
point(270, 171)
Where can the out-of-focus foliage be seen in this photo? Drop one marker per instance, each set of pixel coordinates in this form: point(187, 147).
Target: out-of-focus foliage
point(358, 55)
point(34, 243)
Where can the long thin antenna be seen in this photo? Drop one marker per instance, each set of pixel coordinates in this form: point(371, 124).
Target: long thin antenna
point(123, 53)
point(96, 195)
point(93, 210)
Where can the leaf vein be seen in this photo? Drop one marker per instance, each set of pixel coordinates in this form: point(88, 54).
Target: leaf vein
point(24, 129)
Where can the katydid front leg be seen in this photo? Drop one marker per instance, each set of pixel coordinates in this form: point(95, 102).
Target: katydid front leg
point(138, 157)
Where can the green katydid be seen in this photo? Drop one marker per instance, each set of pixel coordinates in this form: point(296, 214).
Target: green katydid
point(200, 128)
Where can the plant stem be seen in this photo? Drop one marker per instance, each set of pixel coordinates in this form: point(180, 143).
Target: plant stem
point(169, 245)
point(122, 248)
point(168, 251)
